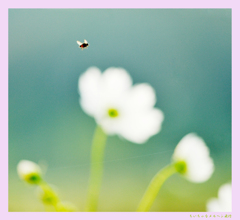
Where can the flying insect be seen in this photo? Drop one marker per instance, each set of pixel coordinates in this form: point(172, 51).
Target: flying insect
point(83, 45)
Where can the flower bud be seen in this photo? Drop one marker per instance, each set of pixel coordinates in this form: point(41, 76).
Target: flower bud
point(29, 171)
point(47, 194)
point(191, 158)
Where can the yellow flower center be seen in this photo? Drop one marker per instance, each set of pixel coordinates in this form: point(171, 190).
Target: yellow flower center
point(181, 167)
point(113, 113)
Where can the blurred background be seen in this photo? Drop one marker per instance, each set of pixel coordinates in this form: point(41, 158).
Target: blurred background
point(184, 54)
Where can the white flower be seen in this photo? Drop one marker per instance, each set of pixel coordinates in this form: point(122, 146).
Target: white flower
point(224, 201)
point(117, 106)
point(29, 171)
point(191, 158)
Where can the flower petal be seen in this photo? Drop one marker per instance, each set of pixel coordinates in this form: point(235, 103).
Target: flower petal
point(188, 145)
point(224, 201)
point(88, 85)
point(200, 169)
point(139, 126)
point(141, 96)
point(225, 197)
point(116, 81)
point(213, 205)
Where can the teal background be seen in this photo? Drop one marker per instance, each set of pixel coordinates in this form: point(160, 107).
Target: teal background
point(184, 54)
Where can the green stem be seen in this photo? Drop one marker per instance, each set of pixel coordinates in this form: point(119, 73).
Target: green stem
point(98, 146)
point(49, 196)
point(154, 187)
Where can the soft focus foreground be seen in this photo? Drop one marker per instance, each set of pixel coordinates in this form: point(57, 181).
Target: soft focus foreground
point(185, 55)
point(224, 201)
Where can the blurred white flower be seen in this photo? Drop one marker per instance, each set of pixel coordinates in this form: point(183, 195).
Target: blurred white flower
point(29, 171)
point(224, 201)
point(191, 159)
point(117, 106)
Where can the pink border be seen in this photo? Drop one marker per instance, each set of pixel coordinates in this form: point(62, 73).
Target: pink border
point(233, 4)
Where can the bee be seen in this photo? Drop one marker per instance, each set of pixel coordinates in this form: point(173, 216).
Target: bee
point(83, 45)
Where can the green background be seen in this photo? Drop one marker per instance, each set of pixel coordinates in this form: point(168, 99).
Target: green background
point(184, 54)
